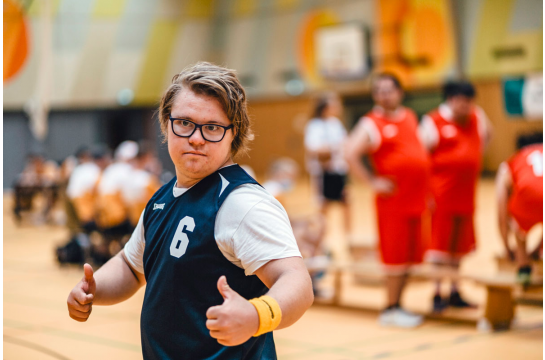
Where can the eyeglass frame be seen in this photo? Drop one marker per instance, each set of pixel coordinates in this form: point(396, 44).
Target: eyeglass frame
point(197, 126)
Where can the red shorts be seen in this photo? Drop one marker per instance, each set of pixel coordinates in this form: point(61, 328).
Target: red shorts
point(452, 236)
point(400, 240)
point(527, 222)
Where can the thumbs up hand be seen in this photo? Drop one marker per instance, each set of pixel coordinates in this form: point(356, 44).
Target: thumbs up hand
point(80, 299)
point(233, 322)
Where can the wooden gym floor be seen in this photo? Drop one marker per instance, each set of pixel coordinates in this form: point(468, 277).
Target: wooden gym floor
point(37, 326)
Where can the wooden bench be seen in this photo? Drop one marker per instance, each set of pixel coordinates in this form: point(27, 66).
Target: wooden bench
point(499, 309)
point(525, 295)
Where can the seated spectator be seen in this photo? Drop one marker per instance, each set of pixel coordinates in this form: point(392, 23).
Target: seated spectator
point(111, 214)
point(39, 177)
point(82, 185)
point(80, 204)
point(142, 185)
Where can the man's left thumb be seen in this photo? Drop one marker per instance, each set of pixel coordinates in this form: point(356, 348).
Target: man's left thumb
point(224, 288)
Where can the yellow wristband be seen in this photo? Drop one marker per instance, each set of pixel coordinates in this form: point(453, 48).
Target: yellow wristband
point(269, 312)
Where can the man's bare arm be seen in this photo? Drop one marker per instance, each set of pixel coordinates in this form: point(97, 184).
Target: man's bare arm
point(358, 145)
point(236, 320)
point(117, 281)
point(503, 186)
point(113, 283)
point(289, 284)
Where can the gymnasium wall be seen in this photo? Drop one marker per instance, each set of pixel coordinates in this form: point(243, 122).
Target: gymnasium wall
point(121, 54)
point(100, 52)
point(506, 129)
point(107, 53)
point(278, 125)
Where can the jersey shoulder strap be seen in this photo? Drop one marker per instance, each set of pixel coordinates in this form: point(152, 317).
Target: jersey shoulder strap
point(232, 177)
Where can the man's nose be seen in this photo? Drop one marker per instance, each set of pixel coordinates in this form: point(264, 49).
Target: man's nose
point(197, 138)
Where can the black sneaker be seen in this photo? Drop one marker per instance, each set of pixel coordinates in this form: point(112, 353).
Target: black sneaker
point(524, 275)
point(456, 301)
point(439, 304)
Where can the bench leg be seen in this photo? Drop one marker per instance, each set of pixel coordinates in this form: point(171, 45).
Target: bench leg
point(500, 308)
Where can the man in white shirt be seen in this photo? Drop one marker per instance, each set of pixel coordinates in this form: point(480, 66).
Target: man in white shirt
point(212, 220)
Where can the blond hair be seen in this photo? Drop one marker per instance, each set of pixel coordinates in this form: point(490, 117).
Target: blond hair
point(208, 79)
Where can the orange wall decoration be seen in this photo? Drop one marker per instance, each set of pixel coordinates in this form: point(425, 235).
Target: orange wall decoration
point(15, 39)
point(414, 39)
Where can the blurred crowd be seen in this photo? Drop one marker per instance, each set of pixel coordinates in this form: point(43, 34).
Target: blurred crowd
point(102, 196)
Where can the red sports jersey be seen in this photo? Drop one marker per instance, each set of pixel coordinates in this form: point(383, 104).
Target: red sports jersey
point(526, 200)
point(402, 158)
point(456, 163)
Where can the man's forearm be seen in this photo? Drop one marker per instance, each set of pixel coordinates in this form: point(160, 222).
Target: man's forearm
point(115, 282)
point(293, 292)
point(358, 169)
point(502, 196)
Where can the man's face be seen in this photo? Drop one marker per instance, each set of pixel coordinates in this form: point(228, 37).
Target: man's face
point(461, 106)
point(194, 157)
point(386, 94)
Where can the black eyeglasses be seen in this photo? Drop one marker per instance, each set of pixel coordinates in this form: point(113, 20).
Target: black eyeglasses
point(210, 132)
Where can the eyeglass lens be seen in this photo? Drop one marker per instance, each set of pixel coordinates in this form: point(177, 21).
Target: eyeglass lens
point(209, 132)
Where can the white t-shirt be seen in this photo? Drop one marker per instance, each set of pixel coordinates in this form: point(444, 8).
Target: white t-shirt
point(82, 180)
point(330, 133)
point(251, 229)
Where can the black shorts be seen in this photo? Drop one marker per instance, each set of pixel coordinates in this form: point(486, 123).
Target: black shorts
point(333, 186)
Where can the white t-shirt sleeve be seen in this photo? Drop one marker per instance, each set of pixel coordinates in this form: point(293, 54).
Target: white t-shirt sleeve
point(483, 126)
point(428, 133)
point(368, 126)
point(134, 248)
point(252, 228)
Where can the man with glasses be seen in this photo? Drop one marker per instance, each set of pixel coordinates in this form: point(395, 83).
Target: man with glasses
point(210, 226)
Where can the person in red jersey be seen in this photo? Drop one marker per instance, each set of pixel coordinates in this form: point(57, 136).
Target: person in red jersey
point(519, 190)
point(456, 134)
point(388, 134)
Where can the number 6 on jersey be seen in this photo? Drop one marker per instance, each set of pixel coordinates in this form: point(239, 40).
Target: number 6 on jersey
point(180, 240)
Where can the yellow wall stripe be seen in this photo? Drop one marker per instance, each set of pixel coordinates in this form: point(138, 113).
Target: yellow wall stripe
point(109, 8)
point(34, 9)
point(199, 8)
point(156, 60)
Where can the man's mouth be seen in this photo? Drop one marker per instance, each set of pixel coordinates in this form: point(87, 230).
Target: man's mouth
point(194, 153)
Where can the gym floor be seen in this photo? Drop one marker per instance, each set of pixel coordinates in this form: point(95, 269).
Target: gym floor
point(37, 326)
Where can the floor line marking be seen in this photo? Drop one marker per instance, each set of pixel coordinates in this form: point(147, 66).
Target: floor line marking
point(72, 335)
point(36, 347)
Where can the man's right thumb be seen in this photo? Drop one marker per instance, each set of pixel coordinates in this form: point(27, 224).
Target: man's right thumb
point(88, 271)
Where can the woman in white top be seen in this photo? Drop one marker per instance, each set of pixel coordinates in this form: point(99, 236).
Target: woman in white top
point(325, 137)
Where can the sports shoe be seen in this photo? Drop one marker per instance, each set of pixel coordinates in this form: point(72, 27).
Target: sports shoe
point(456, 301)
point(524, 275)
point(439, 304)
point(400, 318)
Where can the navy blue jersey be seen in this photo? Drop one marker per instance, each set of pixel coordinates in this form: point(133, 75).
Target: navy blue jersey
point(182, 265)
